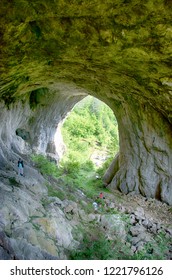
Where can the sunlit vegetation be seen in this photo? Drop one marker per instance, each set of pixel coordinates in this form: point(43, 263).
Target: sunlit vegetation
point(90, 129)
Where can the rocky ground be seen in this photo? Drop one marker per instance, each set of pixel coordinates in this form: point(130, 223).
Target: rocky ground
point(153, 209)
point(148, 217)
point(44, 219)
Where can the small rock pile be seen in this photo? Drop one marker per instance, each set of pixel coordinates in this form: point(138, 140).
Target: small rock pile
point(144, 227)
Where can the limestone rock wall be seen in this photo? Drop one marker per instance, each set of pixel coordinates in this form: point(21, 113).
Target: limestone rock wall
point(30, 125)
point(145, 153)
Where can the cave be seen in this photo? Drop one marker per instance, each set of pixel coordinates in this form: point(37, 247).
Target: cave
point(54, 54)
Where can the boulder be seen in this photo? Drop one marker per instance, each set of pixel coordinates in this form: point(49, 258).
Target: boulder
point(136, 230)
point(139, 213)
point(143, 236)
point(132, 219)
point(113, 225)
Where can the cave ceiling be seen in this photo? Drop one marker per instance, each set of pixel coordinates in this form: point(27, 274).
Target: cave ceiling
point(119, 49)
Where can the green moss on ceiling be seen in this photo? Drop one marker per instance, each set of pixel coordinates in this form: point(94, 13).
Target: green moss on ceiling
point(119, 44)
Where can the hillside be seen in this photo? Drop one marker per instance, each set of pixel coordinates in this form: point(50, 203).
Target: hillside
point(47, 216)
point(90, 132)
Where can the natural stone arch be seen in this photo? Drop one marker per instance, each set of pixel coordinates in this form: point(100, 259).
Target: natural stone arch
point(143, 164)
point(118, 52)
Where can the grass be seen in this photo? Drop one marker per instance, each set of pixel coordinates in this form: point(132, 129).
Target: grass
point(56, 192)
point(99, 248)
point(73, 175)
point(155, 250)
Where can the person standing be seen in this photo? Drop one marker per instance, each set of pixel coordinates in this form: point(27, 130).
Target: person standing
point(95, 206)
point(101, 195)
point(20, 167)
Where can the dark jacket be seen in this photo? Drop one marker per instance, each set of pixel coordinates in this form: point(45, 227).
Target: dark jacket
point(20, 161)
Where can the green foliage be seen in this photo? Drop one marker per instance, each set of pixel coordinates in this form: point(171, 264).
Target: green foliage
point(154, 250)
point(71, 168)
point(45, 202)
point(91, 125)
point(76, 175)
point(36, 227)
point(81, 175)
point(31, 120)
point(80, 126)
point(45, 166)
point(100, 248)
point(72, 173)
point(56, 192)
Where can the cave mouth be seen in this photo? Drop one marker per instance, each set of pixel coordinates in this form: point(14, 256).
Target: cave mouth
point(89, 132)
point(144, 159)
point(124, 60)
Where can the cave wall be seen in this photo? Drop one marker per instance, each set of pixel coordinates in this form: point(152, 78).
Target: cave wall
point(29, 125)
point(145, 152)
point(53, 53)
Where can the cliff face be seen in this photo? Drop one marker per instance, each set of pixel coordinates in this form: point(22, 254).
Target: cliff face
point(53, 53)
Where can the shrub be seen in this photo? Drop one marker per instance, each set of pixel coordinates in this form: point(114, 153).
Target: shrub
point(45, 166)
point(88, 166)
point(71, 168)
point(55, 192)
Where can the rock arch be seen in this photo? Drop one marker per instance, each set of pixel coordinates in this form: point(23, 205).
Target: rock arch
point(53, 54)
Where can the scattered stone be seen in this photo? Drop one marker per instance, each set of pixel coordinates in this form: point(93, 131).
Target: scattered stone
point(153, 228)
point(139, 213)
point(91, 217)
point(111, 205)
point(82, 215)
point(143, 236)
point(133, 248)
point(51, 226)
point(71, 208)
point(132, 219)
point(140, 246)
point(122, 209)
point(136, 230)
point(145, 222)
point(95, 206)
point(114, 225)
point(169, 230)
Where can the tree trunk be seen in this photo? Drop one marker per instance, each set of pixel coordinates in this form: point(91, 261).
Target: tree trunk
point(112, 170)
